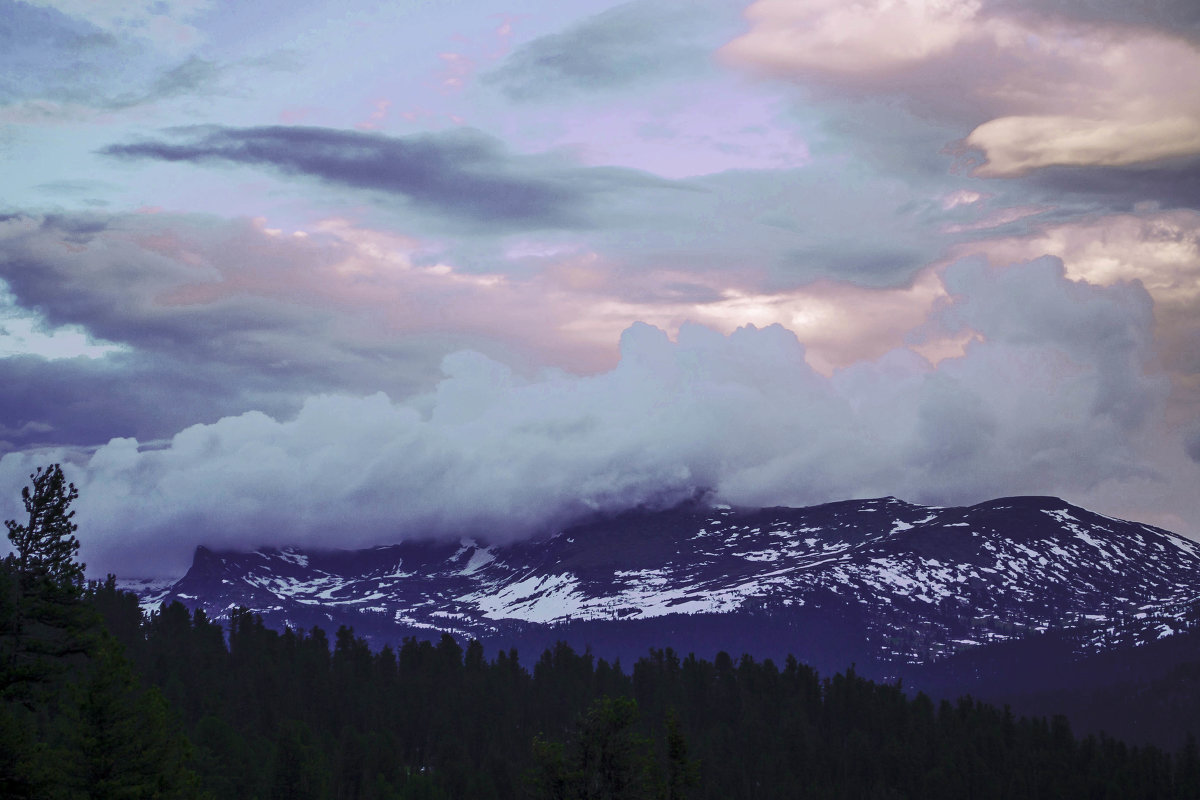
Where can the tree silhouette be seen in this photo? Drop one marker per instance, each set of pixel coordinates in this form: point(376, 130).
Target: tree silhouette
point(43, 582)
point(46, 545)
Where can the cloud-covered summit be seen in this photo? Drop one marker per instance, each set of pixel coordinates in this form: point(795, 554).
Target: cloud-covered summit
point(428, 268)
point(1046, 404)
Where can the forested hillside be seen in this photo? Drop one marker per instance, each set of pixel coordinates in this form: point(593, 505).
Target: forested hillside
point(101, 702)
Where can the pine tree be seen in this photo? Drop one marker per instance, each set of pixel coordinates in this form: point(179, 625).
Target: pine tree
point(46, 546)
point(46, 621)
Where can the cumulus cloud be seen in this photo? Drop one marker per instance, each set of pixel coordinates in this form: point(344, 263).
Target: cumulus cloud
point(1158, 249)
point(1040, 89)
point(1052, 404)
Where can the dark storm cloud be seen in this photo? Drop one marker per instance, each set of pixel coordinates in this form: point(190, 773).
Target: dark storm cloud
point(630, 44)
point(462, 174)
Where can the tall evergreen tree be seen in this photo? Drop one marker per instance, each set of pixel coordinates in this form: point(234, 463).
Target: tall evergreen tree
point(46, 621)
point(46, 545)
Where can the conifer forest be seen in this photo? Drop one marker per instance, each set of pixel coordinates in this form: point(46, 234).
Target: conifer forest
point(102, 701)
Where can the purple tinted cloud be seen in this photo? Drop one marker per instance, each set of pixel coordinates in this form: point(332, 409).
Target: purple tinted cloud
point(461, 174)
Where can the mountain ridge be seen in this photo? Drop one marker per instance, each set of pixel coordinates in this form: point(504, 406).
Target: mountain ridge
point(900, 584)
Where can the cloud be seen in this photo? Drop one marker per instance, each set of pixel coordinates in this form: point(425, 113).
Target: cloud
point(1117, 188)
point(798, 224)
point(1192, 445)
point(341, 305)
point(462, 174)
point(164, 23)
point(631, 44)
point(1055, 403)
point(1039, 89)
point(1158, 249)
point(1165, 16)
point(212, 317)
point(786, 228)
point(1017, 144)
point(54, 66)
point(859, 38)
point(79, 403)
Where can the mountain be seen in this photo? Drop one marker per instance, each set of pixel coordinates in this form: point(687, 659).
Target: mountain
point(893, 586)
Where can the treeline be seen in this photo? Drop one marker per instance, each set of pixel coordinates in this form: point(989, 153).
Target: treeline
point(98, 701)
point(296, 715)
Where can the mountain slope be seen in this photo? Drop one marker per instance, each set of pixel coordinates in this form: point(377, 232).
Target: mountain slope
point(880, 581)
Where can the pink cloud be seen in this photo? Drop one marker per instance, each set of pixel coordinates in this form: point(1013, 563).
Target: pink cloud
point(567, 306)
point(376, 117)
point(456, 69)
point(559, 304)
point(291, 116)
point(838, 323)
point(1036, 91)
point(852, 38)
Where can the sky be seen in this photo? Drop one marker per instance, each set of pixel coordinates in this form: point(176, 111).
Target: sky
point(339, 275)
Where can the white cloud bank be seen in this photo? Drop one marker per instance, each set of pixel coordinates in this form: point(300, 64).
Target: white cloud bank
point(1050, 397)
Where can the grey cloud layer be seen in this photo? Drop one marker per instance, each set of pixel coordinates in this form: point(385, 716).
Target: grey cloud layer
point(45, 55)
point(1170, 16)
point(799, 224)
point(463, 175)
point(633, 43)
point(1173, 184)
point(1038, 407)
point(189, 358)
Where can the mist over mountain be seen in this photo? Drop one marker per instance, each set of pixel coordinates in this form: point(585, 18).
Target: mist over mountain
point(890, 585)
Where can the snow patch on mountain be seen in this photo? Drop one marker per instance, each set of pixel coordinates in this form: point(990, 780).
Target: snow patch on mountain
point(923, 582)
